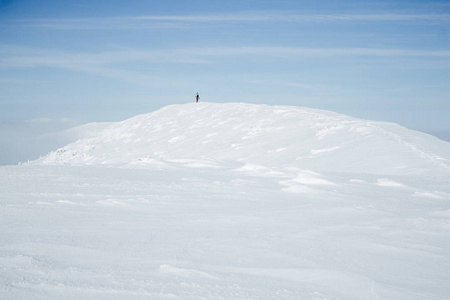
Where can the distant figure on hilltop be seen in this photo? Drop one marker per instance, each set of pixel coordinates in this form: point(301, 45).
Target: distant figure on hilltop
point(196, 98)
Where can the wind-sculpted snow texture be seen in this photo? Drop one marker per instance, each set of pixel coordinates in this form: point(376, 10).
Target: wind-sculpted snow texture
point(212, 134)
point(231, 201)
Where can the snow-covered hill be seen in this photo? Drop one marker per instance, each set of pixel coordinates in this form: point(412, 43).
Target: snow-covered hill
point(231, 201)
point(208, 134)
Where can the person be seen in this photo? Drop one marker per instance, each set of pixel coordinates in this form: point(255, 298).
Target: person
point(196, 98)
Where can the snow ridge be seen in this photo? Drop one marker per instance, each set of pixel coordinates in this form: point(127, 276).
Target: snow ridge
point(214, 135)
point(432, 158)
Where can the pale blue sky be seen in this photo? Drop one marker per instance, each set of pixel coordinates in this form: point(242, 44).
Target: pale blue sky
point(110, 60)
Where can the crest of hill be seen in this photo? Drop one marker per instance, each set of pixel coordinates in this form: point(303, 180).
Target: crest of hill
point(217, 135)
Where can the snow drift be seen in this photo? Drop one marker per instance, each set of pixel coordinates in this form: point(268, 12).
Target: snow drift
point(271, 136)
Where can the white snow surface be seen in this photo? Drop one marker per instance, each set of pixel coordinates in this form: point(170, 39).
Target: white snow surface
point(211, 134)
point(231, 201)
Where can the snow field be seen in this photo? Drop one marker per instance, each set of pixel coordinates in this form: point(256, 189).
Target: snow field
point(230, 201)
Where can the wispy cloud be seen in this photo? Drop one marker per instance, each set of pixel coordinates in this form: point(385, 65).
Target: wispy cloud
point(113, 64)
point(180, 21)
point(293, 52)
point(275, 81)
point(295, 17)
point(22, 57)
point(105, 64)
point(8, 81)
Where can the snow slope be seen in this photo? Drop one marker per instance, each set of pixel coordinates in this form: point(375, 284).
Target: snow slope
point(269, 136)
point(231, 201)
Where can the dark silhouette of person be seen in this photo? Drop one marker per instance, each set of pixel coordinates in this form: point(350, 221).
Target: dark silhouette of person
point(196, 98)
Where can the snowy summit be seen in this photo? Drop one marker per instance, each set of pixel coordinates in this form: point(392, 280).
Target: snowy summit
point(209, 134)
point(231, 201)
